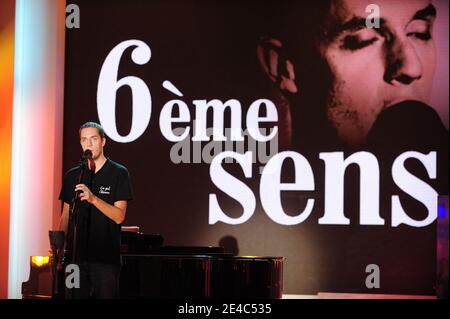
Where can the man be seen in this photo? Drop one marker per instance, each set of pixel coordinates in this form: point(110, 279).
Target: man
point(334, 75)
point(103, 195)
point(342, 86)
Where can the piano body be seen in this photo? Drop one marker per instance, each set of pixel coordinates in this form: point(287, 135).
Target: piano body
point(151, 270)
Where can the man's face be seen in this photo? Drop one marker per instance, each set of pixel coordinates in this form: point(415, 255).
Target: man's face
point(373, 69)
point(91, 139)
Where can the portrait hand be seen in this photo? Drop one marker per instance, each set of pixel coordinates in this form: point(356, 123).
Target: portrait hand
point(280, 71)
point(278, 68)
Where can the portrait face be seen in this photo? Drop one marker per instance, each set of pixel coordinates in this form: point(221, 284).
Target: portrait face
point(91, 139)
point(375, 68)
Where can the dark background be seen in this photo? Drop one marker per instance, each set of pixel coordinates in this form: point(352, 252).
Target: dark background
point(208, 50)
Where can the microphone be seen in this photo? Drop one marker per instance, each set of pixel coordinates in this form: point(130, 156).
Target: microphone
point(412, 126)
point(408, 125)
point(87, 154)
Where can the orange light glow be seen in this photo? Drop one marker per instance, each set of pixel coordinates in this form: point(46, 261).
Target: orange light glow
point(7, 22)
point(39, 261)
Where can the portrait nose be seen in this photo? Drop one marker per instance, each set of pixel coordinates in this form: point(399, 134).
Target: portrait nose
point(403, 64)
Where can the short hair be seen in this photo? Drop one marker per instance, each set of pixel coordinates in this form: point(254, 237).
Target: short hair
point(99, 128)
point(305, 25)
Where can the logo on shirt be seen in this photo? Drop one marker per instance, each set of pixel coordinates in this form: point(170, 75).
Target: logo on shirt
point(105, 190)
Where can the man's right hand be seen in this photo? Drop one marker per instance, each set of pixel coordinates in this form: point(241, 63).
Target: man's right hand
point(64, 219)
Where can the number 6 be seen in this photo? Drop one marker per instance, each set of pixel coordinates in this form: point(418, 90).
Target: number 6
point(107, 91)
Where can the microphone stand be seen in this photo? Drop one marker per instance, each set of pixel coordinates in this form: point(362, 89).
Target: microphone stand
point(72, 231)
point(57, 245)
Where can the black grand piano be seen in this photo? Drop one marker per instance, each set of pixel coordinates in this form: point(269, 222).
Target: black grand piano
point(152, 270)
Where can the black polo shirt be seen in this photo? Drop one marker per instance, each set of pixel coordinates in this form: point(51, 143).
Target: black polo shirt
point(98, 236)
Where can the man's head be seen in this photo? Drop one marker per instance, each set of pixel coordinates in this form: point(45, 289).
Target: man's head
point(374, 69)
point(92, 137)
point(363, 70)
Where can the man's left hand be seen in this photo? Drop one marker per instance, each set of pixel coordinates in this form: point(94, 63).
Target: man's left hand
point(85, 194)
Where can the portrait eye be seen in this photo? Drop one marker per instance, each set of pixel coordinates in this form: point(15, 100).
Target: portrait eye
point(424, 36)
point(354, 43)
point(420, 30)
point(359, 39)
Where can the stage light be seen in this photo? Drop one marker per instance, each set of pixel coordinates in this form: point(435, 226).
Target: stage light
point(40, 261)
